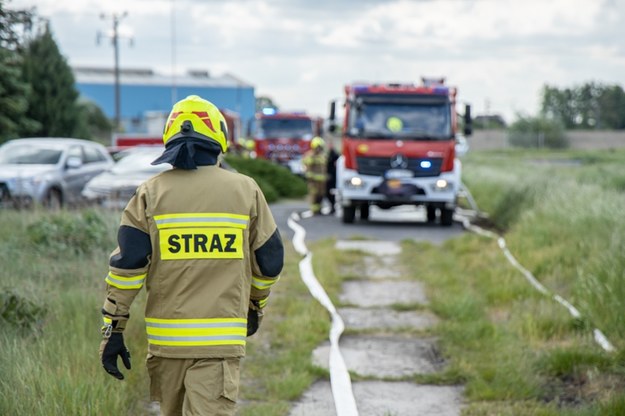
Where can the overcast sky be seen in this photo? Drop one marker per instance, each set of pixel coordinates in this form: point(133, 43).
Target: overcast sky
point(499, 53)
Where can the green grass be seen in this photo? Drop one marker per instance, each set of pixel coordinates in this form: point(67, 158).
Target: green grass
point(50, 300)
point(517, 351)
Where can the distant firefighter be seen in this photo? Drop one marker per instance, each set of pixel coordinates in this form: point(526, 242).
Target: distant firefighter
point(315, 171)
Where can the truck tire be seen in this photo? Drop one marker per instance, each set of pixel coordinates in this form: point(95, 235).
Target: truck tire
point(447, 215)
point(349, 213)
point(431, 213)
point(364, 212)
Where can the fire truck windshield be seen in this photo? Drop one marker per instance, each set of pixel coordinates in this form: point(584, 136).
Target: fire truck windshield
point(406, 120)
point(285, 127)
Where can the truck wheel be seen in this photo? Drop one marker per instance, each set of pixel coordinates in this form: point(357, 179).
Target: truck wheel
point(431, 213)
point(447, 216)
point(364, 212)
point(348, 214)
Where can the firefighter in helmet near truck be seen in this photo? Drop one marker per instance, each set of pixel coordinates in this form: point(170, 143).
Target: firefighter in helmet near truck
point(203, 242)
point(315, 170)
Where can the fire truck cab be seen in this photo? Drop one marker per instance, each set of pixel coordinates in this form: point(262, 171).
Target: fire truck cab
point(398, 148)
point(283, 137)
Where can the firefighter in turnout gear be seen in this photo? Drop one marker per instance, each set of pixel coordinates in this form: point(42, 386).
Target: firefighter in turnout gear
point(315, 171)
point(204, 244)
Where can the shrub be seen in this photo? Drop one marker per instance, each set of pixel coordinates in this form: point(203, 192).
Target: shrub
point(271, 177)
point(64, 231)
point(537, 132)
point(20, 312)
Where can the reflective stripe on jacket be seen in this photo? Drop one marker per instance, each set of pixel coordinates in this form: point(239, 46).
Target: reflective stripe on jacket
point(315, 166)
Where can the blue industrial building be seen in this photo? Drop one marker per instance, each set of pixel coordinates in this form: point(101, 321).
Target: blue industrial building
point(147, 97)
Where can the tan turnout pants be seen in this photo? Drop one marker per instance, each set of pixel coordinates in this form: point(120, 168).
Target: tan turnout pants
point(194, 387)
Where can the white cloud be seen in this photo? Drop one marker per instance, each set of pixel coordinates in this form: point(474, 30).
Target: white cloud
point(302, 53)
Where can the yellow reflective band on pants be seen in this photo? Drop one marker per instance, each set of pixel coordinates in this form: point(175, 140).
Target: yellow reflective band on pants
point(260, 283)
point(125, 282)
point(196, 332)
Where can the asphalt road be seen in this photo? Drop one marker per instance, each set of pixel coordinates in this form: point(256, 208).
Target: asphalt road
point(396, 224)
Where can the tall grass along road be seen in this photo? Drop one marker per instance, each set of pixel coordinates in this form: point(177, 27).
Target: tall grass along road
point(516, 351)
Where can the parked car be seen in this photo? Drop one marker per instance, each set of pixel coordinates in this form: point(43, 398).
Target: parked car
point(48, 171)
point(114, 188)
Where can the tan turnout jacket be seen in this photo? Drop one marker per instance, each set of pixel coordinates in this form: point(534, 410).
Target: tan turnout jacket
point(203, 243)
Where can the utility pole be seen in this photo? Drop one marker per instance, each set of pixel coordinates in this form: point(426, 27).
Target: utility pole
point(174, 92)
point(115, 42)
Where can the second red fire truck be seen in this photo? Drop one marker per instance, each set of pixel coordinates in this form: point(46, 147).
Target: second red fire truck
point(283, 137)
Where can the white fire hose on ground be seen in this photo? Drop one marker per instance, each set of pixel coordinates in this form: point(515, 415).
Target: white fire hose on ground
point(464, 216)
point(340, 381)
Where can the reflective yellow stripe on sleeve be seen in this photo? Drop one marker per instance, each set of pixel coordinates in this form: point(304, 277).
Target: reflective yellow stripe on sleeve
point(196, 332)
point(263, 283)
point(201, 219)
point(125, 282)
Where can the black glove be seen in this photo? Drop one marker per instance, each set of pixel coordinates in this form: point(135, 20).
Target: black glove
point(254, 317)
point(252, 322)
point(110, 348)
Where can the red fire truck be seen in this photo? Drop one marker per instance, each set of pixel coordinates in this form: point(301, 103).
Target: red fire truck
point(283, 137)
point(398, 148)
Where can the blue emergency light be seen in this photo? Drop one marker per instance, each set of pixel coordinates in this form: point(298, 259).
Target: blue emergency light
point(425, 164)
point(268, 111)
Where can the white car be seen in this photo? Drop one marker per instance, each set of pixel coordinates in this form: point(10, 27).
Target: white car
point(48, 171)
point(114, 188)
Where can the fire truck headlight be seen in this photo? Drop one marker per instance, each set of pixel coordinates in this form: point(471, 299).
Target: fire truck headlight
point(442, 185)
point(355, 182)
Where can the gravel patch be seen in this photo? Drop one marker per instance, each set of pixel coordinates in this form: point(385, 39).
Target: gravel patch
point(385, 319)
point(377, 248)
point(382, 356)
point(382, 293)
point(379, 398)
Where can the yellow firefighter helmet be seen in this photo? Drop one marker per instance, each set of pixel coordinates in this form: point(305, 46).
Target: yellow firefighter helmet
point(317, 142)
point(197, 118)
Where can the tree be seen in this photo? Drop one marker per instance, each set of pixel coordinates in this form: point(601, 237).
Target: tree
point(537, 132)
point(13, 90)
point(95, 124)
point(15, 26)
point(13, 102)
point(264, 101)
point(587, 106)
point(53, 97)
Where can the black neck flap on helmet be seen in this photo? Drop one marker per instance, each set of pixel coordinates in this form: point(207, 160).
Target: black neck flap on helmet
point(188, 150)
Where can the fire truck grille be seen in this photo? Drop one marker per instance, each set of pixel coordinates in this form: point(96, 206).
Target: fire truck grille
point(421, 168)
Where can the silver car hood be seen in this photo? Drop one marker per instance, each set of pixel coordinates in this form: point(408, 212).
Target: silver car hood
point(24, 171)
point(113, 181)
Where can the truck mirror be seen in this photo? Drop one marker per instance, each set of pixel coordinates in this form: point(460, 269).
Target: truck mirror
point(332, 118)
point(468, 126)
